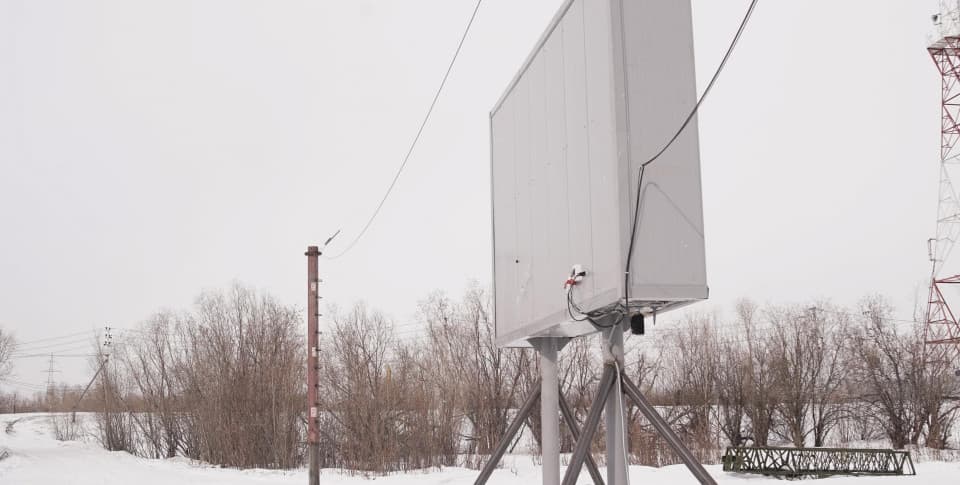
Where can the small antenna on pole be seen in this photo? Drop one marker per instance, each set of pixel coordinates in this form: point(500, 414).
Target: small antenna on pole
point(330, 239)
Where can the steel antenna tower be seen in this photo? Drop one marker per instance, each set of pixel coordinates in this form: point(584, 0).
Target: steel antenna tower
point(941, 326)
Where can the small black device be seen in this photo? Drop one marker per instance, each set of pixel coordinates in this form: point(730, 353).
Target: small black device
point(636, 324)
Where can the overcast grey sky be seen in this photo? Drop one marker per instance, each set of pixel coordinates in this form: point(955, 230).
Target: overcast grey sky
point(150, 150)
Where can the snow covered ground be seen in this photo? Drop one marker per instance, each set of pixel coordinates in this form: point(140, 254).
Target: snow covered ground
point(36, 458)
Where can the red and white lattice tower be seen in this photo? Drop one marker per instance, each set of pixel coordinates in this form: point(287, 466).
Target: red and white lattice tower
point(941, 325)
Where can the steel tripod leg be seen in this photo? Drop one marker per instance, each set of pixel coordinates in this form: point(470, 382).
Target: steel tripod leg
point(582, 448)
point(508, 436)
point(664, 430)
point(571, 420)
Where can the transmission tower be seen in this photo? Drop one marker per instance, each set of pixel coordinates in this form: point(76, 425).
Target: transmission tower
point(941, 326)
point(51, 370)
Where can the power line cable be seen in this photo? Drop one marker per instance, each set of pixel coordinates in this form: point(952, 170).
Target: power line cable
point(23, 385)
point(65, 343)
point(416, 138)
point(52, 347)
point(59, 337)
point(28, 356)
point(855, 314)
point(57, 352)
point(713, 80)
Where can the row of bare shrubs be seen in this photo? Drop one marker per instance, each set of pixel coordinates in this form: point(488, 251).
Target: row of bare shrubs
point(225, 383)
point(399, 404)
point(222, 383)
point(812, 375)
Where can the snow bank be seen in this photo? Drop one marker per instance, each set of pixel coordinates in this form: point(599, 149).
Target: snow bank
point(36, 458)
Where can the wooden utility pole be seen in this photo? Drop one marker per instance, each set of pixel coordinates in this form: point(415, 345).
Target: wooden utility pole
point(106, 407)
point(313, 410)
point(108, 427)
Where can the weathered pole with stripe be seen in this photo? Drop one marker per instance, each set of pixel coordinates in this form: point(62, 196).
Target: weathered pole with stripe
point(313, 337)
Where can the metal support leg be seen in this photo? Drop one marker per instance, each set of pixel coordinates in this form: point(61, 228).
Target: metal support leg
point(508, 436)
point(582, 448)
point(549, 409)
point(571, 420)
point(614, 413)
point(666, 432)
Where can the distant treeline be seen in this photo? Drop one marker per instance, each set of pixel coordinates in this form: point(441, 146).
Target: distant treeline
point(225, 383)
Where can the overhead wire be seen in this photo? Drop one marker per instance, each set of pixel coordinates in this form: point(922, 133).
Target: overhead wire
point(59, 353)
point(59, 337)
point(65, 343)
point(713, 80)
point(416, 139)
point(23, 385)
point(48, 352)
point(53, 349)
point(29, 356)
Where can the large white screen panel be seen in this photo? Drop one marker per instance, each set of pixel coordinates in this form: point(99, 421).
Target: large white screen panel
point(604, 88)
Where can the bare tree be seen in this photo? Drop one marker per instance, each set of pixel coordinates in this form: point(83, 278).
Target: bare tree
point(241, 376)
point(889, 365)
point(222, 383)
point(830, 329)
point(761, 401)
point(578, 365)
point(690, 373)
point(151, 361)
point(445, 344)
point(938, 392)
point(732, 381)
point(7, 347)
point(363, 389)
point(113, 422)
point(647, 370)
point(798, 346)
point(492, 378)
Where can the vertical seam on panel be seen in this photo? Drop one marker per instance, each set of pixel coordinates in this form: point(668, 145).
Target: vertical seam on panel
point(586, 99)
point(493, 235)
point(627, 126)
point(563, 96)
point(516, 213)
point(550, 246)
point(531, 291)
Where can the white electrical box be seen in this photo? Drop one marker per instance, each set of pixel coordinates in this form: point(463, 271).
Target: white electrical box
point(606, 87)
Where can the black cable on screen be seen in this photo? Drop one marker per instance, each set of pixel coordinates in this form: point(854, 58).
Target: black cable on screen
point(655, 157)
